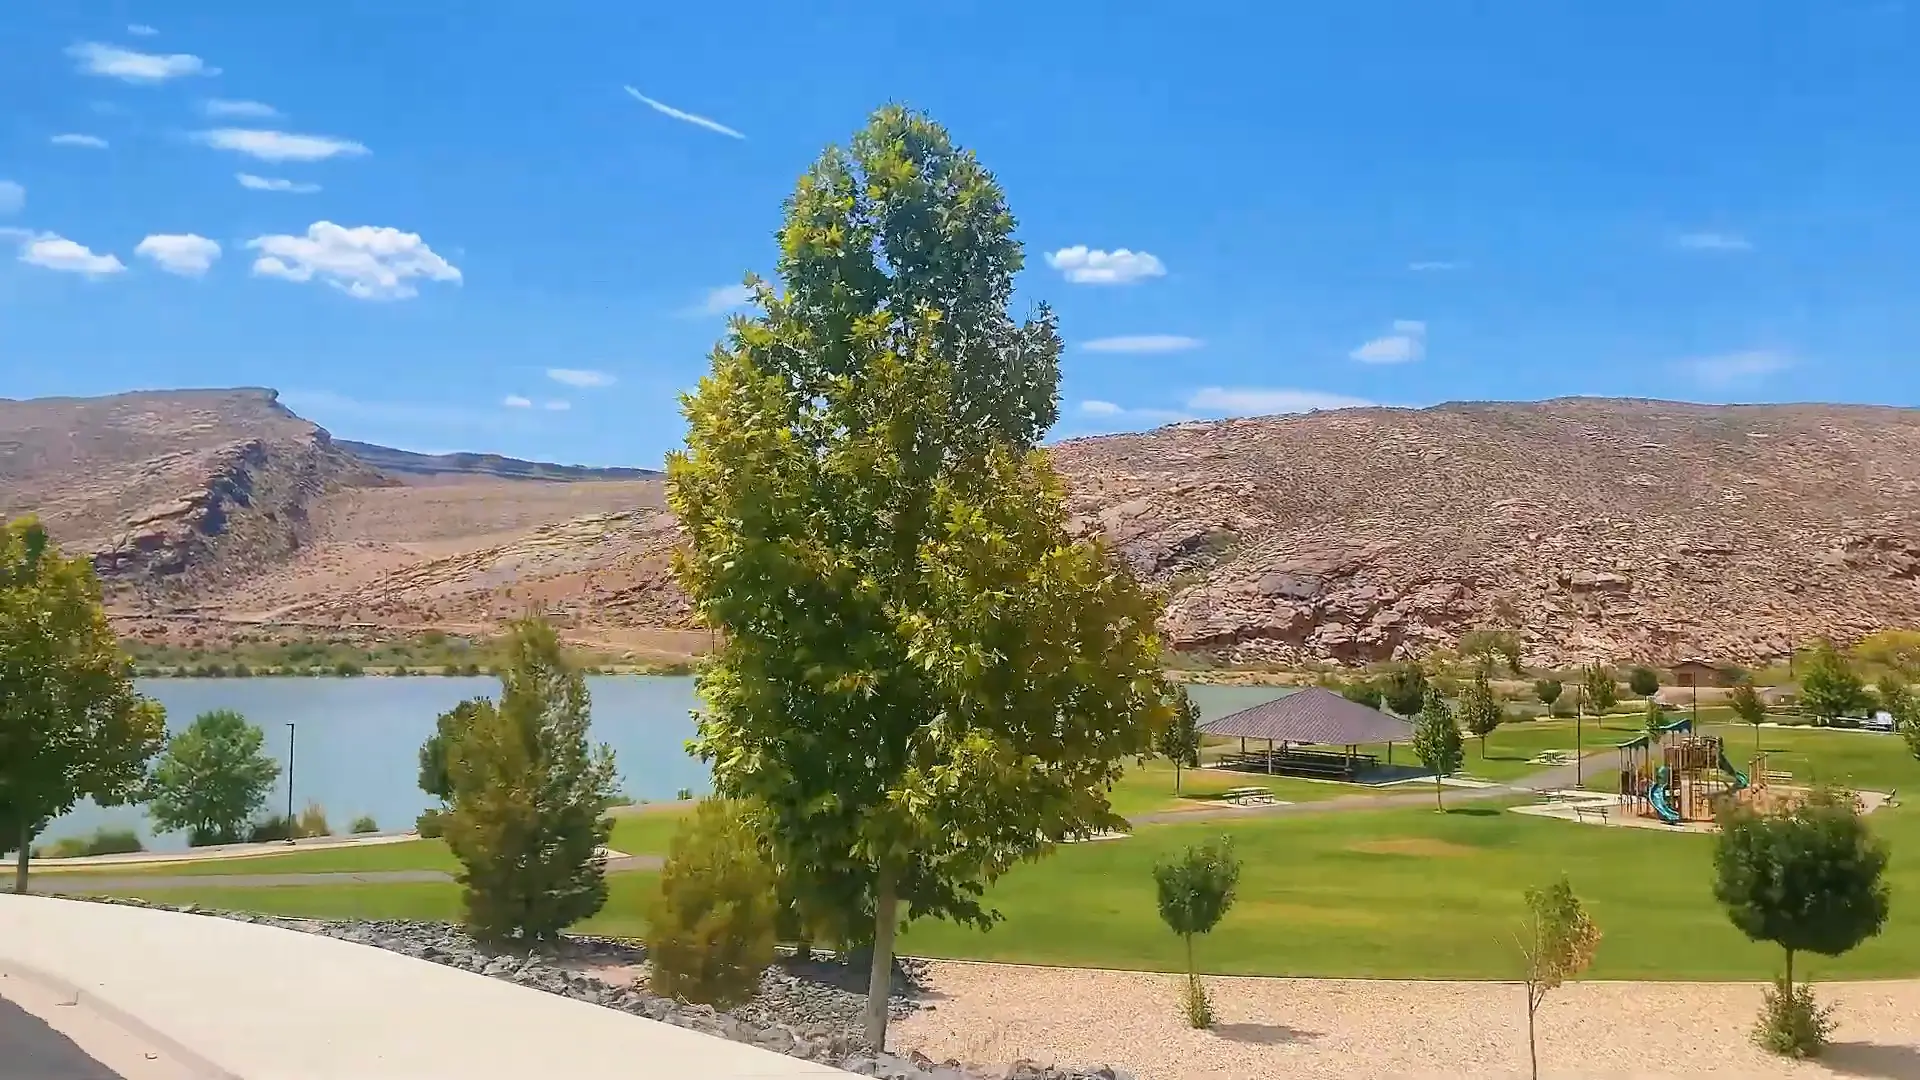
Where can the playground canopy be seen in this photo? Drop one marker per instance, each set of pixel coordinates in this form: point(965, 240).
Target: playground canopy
point(1315, 716)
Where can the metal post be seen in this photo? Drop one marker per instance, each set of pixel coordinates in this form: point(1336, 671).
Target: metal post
point(289, 783)
point(1579, 741)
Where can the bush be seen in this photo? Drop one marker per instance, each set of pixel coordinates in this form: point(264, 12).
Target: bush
point(242, 671)
point(348, 669)
point(710, 929)
point(431, 825)
point(104, 841)
point(1199, 1009)
point(312, 821)
point(364, 824)
point(1643, 681)
point(272, 828)
point(1791, 1024)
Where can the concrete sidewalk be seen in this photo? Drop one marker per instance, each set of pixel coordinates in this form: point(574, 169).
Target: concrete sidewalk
point(242, 1001)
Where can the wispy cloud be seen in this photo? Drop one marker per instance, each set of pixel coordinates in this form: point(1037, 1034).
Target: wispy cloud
point(13, 197)
point(141, 30)
point(680, 114)
point(583, 378)
point(114, 62)
point(274, 183)
point(722, 300)
point(51, 252)
point(515, 401)
point(1712, 241)
point(1108, 416)
point(227, 107)
point(1264, 401)
point(186, 254)
point(1435, 266)
point(1737, 368)
point(280, 145)
point(1407, 342)
point(1142, 343)
point(366, 262)
point(89, 142)
point(1090, 266)
point(556, 406)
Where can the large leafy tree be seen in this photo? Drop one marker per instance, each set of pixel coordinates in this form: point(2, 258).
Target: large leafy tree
point(923, 678)
point(1829, 687)
point(212, 778)
point(529, 797)
point(1179, 741)
point(71, 725)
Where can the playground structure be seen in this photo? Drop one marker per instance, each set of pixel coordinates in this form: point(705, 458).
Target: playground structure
point(1678, 776)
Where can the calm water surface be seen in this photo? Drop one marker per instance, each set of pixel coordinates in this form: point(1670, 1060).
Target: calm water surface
point(356, 742)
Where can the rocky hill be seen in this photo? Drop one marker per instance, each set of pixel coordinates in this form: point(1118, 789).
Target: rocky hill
point(1597, 528)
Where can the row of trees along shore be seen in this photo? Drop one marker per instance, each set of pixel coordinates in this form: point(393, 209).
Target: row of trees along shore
point(924, 680)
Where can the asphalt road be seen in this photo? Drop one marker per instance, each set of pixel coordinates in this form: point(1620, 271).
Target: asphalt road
point(30, 1050)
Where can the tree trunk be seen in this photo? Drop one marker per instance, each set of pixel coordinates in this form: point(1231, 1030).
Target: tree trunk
point(1533, 1053)
point(1176, 776)
point(1789, 971)
point(1438, 799)
point(20, 858)
point(886, 904)
point(1192, 972)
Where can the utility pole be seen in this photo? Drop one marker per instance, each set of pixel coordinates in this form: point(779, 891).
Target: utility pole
point(290, 783)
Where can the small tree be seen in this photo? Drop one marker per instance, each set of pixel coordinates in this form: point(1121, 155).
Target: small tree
point(529, 797)
point(1653, 718)
point(1485, 647)
point(1436, 739)
point(1807, 877)
point(1557, 943)
point(212, 778)
point(1643, 681)
point(1195, 892)
point(710, 928)
point(1362, 691)
point(1747, 705)
point(1548, 691)
point(1480, 710)
point(1404, 688)
point(1902, 702)
point(1600, 690)
point(1829, 687)
point(1179, 741)
point(71, 725)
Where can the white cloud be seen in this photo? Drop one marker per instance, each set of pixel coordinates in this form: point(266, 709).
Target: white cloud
point(691, 118)
point(367, 262)
point(580, 377)
point(274, 183)
point(126, 65)
point(724, 299)
point(186, 254)
point(227, 107)
point(556, 406)
point(1084, 266)
point(141, 30)
point(59, 253)
point(91, 142)
point(1100, 408)
point(279, 145)
point(1252, 401)
point(1408, 342)
point(12, 197)
point(515, 401)
point(1712, 241)
point(1142, 343)
point(1729, 369)
point(1435, 266)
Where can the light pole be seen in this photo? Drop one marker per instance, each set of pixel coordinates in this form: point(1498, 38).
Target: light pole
point(1579, 740)
point(289, 783)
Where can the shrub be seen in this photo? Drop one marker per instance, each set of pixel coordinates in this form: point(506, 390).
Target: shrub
point(710, 928)
point(431, 824)
point(364, 824)
point(312, 821)
point(348, 669)
point(1791, 1023)
point(104, 841)
point(1643, 681)
point(271, 828)
point(242, 671)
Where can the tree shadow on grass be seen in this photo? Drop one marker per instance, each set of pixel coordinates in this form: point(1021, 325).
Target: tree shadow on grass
point(1475, 811)
point(1872, 1059)
point(1264, 1034)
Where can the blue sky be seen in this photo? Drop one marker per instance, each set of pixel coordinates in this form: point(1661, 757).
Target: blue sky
point(511, 229)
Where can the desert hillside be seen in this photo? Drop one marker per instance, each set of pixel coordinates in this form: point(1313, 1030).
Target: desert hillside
point(1598, 528)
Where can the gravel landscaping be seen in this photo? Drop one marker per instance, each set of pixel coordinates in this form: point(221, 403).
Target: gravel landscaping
point(805, 1009)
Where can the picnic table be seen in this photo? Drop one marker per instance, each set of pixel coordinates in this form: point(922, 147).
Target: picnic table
point(1248, 796)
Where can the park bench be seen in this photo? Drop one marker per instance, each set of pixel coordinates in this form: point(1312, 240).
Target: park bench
point(1248, 796)
point(1551, 757)
point(1582, 810)
point(1779, 777)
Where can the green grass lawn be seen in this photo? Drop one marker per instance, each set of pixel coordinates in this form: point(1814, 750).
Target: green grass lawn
point(1147, 788)
point(1511, 748)
point(404, 855)
point(1825, 755)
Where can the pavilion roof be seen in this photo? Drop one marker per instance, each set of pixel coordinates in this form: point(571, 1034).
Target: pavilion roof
point(1312, 715)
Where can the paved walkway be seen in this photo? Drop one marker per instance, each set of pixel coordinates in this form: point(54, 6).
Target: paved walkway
point(30, 1050)
point(262, 1003)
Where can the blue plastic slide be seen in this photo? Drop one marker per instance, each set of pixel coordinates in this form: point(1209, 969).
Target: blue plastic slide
point(1657, 795)
point(1739, 778)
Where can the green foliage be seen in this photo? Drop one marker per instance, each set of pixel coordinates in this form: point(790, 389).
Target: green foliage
point(1480, 711)
point(1829, 687)
point(1643, 681)
point(364, 824)
point(431, 824)
point(1558, 943)
point(529, 797)
point(211, 779)
point(1746, 704)
point(1809, 878)
point(1548, 691)
point(1653, 718)
point(922, 677)
point(1198, 1008)
point(272, 828)
point(71, 725)
point(312, 821)
point(104, 841)
point(1600, 689)
point(1179, 741)
point(710, 928)
point(1485, 647)
point(1403, 687)
point(1895, 650)
point(347, 669)
point(1195, 892)
point(435, 778)
point(1791, 1023)
point(1437, 742)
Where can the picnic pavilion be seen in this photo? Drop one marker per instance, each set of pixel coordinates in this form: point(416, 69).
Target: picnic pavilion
point(1291, 726)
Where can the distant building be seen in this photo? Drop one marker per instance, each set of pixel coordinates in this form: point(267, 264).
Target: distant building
point(1694, 671)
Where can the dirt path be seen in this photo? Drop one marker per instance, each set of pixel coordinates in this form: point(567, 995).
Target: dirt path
point(1305, 1029)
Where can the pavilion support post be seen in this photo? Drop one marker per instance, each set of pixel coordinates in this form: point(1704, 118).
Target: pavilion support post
point(1269, 757)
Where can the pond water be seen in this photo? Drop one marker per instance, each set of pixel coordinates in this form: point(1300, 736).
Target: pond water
point(356, 742)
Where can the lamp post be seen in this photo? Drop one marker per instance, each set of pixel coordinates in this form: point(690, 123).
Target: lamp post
point(289, 783)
